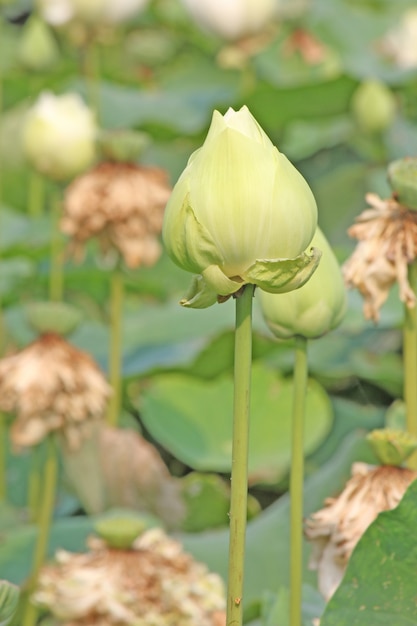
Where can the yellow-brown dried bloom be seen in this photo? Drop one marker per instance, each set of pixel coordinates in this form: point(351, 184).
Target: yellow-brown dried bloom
point(387, 234)
point(51, 386)
point(121, 204)
point(336, 529)
point(154, 584)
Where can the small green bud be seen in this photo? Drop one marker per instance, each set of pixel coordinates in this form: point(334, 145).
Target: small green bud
point(373, 106)
point(59, 136)
point(122, 146)
point(392, 447)
point(402, 176)
point(120, 532)
point(53, 317)
point(240, 213)
point(9, 598)
point(38, 49)
point(315, 308)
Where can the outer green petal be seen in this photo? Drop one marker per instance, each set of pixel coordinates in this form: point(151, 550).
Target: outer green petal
point(187, 241)
point(199, 295)
point(282, 275)
point(219, 282)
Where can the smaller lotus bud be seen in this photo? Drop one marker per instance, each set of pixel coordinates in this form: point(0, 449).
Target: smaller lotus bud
point(122, 146)
point(120, 532)
point(240, 214)
point(38, 50)
point(9, 598)
point(233, 19)
point(59, 136)
point(392, 447)
point(315, 308)
point(402, 176)
point(373, 106)
point(53, 317)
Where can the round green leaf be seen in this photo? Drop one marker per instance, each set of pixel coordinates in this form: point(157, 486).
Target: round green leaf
point(193, 420)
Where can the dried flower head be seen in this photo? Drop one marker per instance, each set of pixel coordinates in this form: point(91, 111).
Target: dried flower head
point(51, 386)
point(154, 584)
point(336, 529)
point(122, 204)
point(387, 234)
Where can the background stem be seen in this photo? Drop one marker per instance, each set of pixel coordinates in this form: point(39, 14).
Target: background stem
point(410, 363)
point(36, 197)
point(115, 356)
point(296, 480)
point(56, 277)
point(239, 478)
point(45, 519)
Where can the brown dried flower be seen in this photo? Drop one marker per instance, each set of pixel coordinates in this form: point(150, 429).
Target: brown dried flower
point(387, 235)
point(154, 584)
point(51, 386)
point(336, 529)
point(120, 203)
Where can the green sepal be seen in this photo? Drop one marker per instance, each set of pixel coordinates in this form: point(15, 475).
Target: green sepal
point(9, 598)
point(392, 447)
point(199, 295)
point(190, 244)
point(219, 282)
point(283, 275)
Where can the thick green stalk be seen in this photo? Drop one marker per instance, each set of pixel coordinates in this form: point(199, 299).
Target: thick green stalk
point(115, 356)
point(297, 479)
point(410, 363)
point(239, 478)
point(56, 276)
point(44, 525)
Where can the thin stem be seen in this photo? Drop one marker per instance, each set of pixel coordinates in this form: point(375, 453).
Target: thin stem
point(115, 356)
point(91, 71)
point(3, 458)
point(34, 486)
point(410, 363)
point(56, 277)
point(36, 197)
point(296, 480)
point(239, 478)
point(45, 520)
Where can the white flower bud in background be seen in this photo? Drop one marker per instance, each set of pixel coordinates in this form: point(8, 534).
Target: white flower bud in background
point(59, 136)
point(232, 19)
point(60, 12)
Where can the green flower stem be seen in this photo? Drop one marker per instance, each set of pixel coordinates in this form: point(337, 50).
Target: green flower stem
point(3, 458)
point(239, 478)
point(35, 480)
point(56, 277)
point(410, 363)
point(36, 194)
point(91, 72)
point(115, 356)
point(296, 480)
point(45, 520)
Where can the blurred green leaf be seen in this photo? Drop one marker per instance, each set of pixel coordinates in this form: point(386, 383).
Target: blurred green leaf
point(193, 419)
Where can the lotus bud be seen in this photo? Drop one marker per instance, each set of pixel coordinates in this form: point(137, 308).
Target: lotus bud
point(315, 308)
point(9, 598)
point(233, 19)
point(240, 213)
point(59, 136)
point(402, 176)
point(38, 49)
point(60, 12)
point(373, 106)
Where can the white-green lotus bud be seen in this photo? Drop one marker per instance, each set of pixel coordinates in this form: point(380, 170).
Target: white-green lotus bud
point(240, 213)
point(314, 309)
point(38, 49)
point(232, 19)
point(59, 136)
point(9, 598)
point(60, 12)
point(373, 106)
